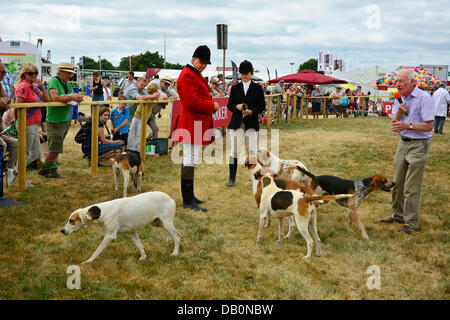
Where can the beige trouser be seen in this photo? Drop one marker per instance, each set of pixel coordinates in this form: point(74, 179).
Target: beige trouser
point(33, 144)
point(238, 139)
point(409, 166)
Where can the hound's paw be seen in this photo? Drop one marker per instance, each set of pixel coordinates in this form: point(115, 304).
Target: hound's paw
point(174, 254)
point(87, 261)
point(143, 257)
point(307, 258)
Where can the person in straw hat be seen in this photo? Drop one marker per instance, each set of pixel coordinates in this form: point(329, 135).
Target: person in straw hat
point(60, 90)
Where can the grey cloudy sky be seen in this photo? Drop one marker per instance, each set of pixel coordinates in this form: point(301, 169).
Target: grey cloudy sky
point(269, 33)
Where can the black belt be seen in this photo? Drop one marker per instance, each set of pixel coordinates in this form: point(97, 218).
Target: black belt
point(408, 139)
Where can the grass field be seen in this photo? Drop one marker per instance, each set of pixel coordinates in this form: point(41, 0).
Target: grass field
point(219, 257)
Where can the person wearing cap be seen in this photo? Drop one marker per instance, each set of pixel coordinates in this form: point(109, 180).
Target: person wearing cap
point(216, 92)
point(195, 124)
point(60, 90)
point(246, 102)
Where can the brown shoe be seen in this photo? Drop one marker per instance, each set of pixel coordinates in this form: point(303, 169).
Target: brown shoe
point(45, 171)
point(406, 229)
point(54, 174)
point(389, 220)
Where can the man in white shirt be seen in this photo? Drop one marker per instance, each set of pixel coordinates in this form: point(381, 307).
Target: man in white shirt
point(441, 99)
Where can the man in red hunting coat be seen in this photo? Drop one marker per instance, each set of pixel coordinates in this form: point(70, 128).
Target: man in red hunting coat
point(195, 124)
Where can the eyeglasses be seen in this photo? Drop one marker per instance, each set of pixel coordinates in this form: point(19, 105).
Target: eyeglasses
point(32, 73)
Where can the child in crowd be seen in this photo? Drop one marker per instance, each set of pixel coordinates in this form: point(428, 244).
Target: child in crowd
point(119, 118)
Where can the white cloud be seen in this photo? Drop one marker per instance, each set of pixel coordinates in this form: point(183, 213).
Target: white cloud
point(271, 33)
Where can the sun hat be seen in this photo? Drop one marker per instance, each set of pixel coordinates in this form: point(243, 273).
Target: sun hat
point(66, 66)
point(214, 80)
point(166, 79)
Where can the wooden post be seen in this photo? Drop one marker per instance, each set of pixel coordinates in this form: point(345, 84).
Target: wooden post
point(22, 157)
point(301, 108)
point(146, 111)
point(94, 139)
point(363, 106)
point(324, 107)
point(294, 115)
point(307, 108)
point(268, 111)
point(278, 108)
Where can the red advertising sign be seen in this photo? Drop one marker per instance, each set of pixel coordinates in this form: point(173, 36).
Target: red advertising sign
point(387, 107)
point(220, 119)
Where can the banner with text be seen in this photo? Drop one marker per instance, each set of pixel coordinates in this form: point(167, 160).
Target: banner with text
point(220, 119)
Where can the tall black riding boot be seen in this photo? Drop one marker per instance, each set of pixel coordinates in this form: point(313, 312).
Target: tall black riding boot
point(187, 189)
point(233, 169)
point(197, 201)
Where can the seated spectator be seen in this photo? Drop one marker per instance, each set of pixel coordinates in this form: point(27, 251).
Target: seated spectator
point(379, 107)
point(119, 118)
point(371, 112)
point(214, 89)
point(351, 108)
point(105, 145)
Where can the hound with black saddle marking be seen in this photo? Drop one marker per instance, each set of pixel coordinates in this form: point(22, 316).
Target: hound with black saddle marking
point(281, 203)
point(335, 185)
point(129, 163)
point(127, 215)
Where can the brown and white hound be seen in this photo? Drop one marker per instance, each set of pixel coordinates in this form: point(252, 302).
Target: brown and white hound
point(283, 168)
point(281, 203)
point(129, 163)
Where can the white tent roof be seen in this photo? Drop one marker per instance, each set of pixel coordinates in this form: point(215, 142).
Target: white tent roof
point(362, 77)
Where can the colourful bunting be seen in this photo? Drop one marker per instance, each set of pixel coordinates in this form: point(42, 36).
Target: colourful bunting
point(424, 79)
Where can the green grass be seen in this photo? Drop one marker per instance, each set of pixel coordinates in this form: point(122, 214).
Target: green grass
point(219, 257)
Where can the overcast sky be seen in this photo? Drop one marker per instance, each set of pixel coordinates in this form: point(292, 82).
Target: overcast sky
point(268, 33)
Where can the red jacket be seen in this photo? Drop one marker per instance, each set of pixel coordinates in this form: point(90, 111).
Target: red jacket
point(197, 109)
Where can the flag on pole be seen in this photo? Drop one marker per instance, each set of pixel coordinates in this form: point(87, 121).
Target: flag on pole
point(268, 73)
point(276, 73)
point(129, 61)
point(235, 72)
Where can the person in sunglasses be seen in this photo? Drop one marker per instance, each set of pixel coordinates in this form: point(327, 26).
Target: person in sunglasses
point(28, 92)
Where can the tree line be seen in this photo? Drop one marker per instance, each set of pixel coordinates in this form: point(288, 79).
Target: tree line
point(139, 62)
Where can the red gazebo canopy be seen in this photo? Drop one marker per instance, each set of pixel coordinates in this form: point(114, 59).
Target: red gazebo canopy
point(308, 77)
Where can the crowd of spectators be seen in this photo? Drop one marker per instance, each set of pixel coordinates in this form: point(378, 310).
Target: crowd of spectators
point(126, 119)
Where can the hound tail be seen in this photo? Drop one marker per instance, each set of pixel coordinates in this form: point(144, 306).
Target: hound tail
point(328, 197)
point(307, 173)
